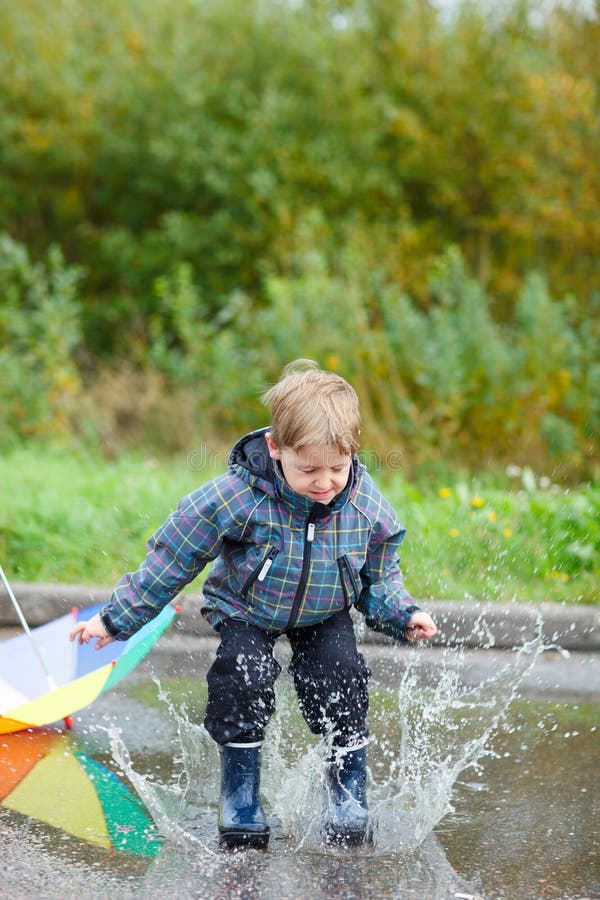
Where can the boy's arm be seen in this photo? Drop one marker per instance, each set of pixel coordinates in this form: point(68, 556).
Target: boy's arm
point(384, 600)
point(176, 554)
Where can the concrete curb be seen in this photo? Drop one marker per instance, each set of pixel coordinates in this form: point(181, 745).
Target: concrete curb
point(472, 624)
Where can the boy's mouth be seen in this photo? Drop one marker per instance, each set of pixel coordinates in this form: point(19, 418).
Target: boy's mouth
point(321, 495)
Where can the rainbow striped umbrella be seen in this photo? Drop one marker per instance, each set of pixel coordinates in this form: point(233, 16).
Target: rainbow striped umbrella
point(43, 775)
point(66, 676)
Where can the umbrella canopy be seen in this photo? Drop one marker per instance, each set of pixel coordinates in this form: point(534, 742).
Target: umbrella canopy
point(79, 672)
point(45, 777)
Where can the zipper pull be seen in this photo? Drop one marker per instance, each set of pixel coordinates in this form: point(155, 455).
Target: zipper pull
point(310, 532)
point(266, 566)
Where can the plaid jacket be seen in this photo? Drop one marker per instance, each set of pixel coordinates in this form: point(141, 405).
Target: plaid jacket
point(279, 560)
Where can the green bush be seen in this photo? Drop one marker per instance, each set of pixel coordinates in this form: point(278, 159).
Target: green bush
point(452, 382)
point(449, 383)
point(40, 330)
point(140, 136)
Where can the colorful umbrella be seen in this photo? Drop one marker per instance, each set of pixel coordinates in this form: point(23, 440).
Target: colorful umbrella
point(43, 776)
point(70, 675)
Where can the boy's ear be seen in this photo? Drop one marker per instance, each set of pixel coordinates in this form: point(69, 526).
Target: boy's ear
point(274, 451)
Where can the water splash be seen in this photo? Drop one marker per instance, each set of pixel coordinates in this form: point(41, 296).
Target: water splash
point(183, 810)
point(445, 729)
point(423, 735)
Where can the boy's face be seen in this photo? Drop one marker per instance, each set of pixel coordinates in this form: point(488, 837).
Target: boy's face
point(317, 471)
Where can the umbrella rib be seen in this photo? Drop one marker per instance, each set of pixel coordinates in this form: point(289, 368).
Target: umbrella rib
point(22, 619)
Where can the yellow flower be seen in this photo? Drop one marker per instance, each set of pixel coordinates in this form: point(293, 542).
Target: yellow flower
point(564, 577)
point(493, 516)
point(554, 574)
point(477, 502)
point(444, 493)
point(453, 532)
point(507, 532)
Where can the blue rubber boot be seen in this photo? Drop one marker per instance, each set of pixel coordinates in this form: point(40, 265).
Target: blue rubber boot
point(242, 822)
point(347, 814)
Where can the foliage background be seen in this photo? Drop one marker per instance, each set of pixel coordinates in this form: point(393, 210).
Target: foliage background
point(193, 193)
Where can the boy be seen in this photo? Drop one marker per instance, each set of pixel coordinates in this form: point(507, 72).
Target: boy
point(298, 533)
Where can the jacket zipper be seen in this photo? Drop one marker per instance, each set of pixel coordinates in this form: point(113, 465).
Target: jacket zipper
point(261, 571)
point(309, 536)
point(344, 564)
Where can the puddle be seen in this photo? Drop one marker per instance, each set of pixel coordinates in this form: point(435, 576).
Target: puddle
point(473, 792)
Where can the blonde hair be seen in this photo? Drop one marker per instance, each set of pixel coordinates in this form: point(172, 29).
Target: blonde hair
point(311, 406)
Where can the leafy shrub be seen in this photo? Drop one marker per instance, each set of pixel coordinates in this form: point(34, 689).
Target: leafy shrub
point(40, 330)
point(141, 135)
point(448, 383)
point(452, 381)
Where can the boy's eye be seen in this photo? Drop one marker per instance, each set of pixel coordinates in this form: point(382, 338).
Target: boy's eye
point(306, 471)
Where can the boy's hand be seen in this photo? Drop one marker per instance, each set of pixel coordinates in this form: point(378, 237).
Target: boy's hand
point(85, 631)
point(420, 627)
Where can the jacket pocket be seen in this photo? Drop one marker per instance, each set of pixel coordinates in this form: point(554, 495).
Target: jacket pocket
point(349, 580)
point(260, 572)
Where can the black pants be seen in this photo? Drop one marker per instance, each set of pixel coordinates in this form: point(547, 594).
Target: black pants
point(330, 677)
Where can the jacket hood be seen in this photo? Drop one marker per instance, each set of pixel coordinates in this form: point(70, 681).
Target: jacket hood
point(251, 455)
point(250, 458)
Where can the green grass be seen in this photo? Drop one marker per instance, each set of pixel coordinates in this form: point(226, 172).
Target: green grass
point(500, 539)
point(69, 517)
